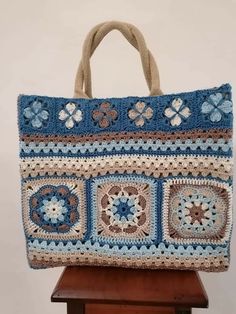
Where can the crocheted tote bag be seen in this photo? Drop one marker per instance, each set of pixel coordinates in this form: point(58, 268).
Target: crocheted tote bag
point(141, 182)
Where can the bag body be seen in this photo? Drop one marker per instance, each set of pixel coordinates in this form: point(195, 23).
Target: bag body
point(141, 182)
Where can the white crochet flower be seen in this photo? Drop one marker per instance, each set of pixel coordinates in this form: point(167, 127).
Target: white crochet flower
point(70, 114)
point(177, 111)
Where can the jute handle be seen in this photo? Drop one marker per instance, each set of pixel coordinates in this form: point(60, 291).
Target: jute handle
point(83, 84)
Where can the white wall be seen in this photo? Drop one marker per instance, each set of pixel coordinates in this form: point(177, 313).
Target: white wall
point(194, 44)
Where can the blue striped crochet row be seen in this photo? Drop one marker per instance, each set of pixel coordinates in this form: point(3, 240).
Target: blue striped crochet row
point(220, 146)
point(152, 250)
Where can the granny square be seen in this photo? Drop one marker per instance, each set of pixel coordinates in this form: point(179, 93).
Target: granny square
point(123, 210)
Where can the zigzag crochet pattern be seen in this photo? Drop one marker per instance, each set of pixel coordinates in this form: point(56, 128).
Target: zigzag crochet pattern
point(140, 182)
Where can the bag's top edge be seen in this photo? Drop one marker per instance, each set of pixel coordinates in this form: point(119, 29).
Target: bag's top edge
point(178, 94)
point(200, 109)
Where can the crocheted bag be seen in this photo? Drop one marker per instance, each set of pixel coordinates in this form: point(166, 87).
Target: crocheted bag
point(140, 182)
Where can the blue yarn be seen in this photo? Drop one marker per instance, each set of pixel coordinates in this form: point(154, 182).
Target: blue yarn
point(159, 122)
point(40, 117)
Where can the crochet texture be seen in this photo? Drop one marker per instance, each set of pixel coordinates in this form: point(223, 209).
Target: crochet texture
point(134, 182)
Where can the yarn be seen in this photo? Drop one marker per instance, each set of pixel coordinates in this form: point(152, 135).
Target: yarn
point(140, 182)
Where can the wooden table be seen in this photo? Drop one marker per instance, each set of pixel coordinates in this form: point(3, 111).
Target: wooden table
point(104, 290)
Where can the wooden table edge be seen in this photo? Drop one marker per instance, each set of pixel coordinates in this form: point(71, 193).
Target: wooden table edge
point(55, 298)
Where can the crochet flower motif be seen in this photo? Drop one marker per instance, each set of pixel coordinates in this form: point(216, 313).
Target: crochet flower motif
point(70, 114)
point(216, 106)
point(35, 114)
point(124, 210)
point(177, 112)
point(140, 113)
point(105, 115)
point(197, 212)
point(54, 208)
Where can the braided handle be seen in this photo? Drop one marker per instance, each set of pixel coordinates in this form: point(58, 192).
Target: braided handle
point(83, 85)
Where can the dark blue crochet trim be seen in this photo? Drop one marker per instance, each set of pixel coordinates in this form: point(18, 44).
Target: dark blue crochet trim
point(159, 122)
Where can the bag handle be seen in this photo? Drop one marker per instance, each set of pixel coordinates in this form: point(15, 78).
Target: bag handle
point(83, 85)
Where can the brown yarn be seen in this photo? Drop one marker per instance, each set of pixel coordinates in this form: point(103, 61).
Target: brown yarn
point(182, 135)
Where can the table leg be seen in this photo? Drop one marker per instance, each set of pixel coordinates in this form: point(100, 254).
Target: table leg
point(74, 307)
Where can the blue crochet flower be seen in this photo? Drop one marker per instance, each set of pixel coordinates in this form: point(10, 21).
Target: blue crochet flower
point(54, 209)
point(123, 208)
point(36, 114)
point(216, 106)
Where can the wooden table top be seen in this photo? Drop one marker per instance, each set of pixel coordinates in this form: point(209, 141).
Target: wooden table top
point(110, 285)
